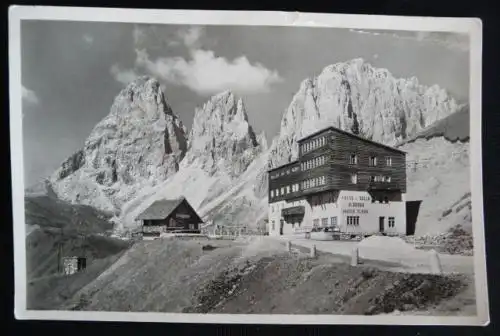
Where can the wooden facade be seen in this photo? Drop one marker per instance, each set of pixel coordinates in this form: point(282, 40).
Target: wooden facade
point(170, 216)
point(341, 161)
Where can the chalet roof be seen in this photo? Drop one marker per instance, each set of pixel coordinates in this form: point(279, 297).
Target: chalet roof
point(332, 128)
point(160, 209)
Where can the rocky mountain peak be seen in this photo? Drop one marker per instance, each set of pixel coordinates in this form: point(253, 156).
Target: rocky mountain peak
point(139, 143)
point(362, 99)
point(221, 139)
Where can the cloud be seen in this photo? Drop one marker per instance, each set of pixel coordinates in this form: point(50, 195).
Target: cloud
point(201, 71)
point(29, 96)
point(89, 39)
point(191, 36)
point(123, 76)
point(208, 74)
point(454, 41)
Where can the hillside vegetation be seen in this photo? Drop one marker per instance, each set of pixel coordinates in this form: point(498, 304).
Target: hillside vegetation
point(255, 277)
point(60, 229)
point(51, 212)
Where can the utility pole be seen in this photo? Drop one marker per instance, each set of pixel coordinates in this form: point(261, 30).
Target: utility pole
point(59, 252)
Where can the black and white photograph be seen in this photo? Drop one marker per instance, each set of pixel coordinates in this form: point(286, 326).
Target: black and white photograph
point(246, 167)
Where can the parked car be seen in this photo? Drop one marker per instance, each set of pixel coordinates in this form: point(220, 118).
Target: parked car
point(324, 233)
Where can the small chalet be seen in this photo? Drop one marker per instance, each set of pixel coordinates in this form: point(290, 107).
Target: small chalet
point(169, 216)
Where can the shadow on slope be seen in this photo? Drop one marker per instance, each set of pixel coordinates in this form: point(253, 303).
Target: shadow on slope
point(64, 230)
point(48, 211)
point(454, 127)
point(45, 246)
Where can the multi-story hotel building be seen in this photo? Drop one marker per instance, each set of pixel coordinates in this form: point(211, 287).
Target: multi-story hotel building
point(339, 180)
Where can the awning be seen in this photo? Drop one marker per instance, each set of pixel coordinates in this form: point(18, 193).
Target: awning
point(296, 210)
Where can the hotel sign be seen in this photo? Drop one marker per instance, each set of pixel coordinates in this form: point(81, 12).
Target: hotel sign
point(183, 216)
point(357, 206)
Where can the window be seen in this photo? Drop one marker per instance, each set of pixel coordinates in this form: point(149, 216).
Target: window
point(272, 225)
point(324, 222)
point(287, 189)
point(313, 183)
point(316, 223)
point(353, 220)
point(353, 159)
point(373, 160)
point(387, 179)
point(282, 191)
point(392, 222)
point(388, 161)
point(272, 193)
point(372, 178)
point(333, 221)
point(354, 178)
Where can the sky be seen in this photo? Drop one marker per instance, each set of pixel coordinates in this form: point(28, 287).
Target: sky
point(71, 71)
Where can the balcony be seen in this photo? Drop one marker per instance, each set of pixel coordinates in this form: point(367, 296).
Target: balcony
point(384, 186)
point(296, 210)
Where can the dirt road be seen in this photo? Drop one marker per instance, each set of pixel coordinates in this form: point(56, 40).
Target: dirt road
point(413, 261)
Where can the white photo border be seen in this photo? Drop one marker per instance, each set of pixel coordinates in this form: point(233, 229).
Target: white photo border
point(470, 26)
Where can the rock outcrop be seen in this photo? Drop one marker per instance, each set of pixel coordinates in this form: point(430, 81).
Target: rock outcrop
point(361, 99)
point(138, 144)
point(222, 145)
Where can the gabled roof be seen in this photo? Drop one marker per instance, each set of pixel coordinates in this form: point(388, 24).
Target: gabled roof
point(161, 209)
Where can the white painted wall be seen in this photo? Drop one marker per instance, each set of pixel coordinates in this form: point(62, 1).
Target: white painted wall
point(370, 212)
point(368, 222)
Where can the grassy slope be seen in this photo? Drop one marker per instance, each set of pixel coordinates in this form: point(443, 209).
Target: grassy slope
point(47, 211)
point(81, 231)
point(179, 276)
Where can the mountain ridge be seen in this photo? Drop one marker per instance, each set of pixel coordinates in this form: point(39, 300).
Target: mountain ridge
point(221, 164)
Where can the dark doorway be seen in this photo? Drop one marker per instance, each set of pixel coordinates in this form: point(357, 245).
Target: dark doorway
point(282, 222)
point(412, 209)
point(381, 224)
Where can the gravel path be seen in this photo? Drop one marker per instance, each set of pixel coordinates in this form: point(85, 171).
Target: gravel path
point(416, 261)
